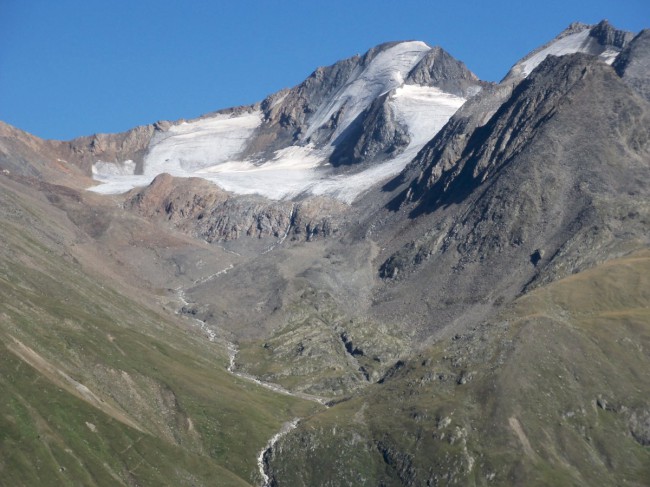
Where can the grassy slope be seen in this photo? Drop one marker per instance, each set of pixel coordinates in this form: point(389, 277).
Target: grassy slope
point(553, 392)
point(100, 390)
point(309, 353)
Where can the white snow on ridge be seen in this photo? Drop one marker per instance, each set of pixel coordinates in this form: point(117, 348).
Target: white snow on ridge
point(578, 42)
point(295, 170)
point(118, 184)
point(424, 110)
point(566, 45)
point(210, 148)
point(384, 73)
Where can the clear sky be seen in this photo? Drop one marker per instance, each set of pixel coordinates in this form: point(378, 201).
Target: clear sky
point(76, 67)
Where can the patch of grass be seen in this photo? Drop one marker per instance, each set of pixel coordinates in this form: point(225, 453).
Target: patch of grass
point(544, 395)
point(99, 362)
point(321, 351)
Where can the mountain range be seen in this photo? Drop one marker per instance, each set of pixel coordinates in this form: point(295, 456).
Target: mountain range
point(393, 273)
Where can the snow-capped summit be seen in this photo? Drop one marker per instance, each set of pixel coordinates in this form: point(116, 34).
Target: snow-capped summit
point(372, 113)
point(601, 40)
point(284, 146)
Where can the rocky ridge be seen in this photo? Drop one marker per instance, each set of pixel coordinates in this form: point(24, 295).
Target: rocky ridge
point(202, 209)
point(546, 188)
point(634, 62)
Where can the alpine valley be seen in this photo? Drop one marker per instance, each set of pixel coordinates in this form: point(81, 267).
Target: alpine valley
point(392, 274)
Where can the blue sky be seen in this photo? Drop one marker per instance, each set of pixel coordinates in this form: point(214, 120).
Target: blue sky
point(70, 67)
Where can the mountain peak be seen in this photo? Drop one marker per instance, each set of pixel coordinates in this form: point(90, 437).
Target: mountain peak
point(601, 40)
point(607, 35)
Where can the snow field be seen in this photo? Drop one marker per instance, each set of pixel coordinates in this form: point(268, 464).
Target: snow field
point(209, 148)
point(424, 110)
point(384, 73)
point(578, 42)
point(191, 146)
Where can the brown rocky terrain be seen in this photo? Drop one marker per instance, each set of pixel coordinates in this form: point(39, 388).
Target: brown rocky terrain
point(202, 209)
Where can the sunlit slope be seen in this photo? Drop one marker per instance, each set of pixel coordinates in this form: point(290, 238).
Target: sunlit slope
point(98, 389)
point(556, 391)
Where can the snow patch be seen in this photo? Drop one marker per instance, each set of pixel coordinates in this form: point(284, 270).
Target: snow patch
point(572, 43)
point(192, 146)
point(384, 73)
point(292, 171)
point(424, 110)
point(107, 169)
point(609, 55)
point(118, 184)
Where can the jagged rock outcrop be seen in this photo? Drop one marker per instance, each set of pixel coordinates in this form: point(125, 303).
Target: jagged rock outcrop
point(376, 135)
point(204, 210)
point(607, 35)
point(601, 40)
point(317, 217)
point(633, 64)
point(114, 148)
point(438, 68)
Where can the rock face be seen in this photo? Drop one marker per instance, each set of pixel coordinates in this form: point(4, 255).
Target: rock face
point(377, 135)
point(517, 122)
point(556, 176)
point(204, 210)
point(447, 147)
point(633, 64)
point(607, 35)
point(451, 144)
point(438, 68)
point(116, 148)
point(286, 112)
